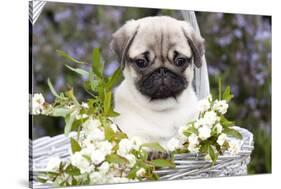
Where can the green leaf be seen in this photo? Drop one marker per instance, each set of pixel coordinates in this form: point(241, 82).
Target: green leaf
point(132, 172)
point(70, 94)
point(92, 80)
point(79, 71)
point(88, 158)
point(112, 113)
point(225, 122)
point(75, 147)
point(190, 131)
point(163, 163)
point(42, 180)
point(232, 132)
point(69, 119)
point(212, 153)
point(65, 55)
point(114, 79)
point(53, 91)
point(154, 146)
point(120, 135)
point(144, 154)
point(72, 170)
point(74, 181)
point(60, 112)
point(107, 103)
point(204, 148)
point(97, 66)
point(114, 158)
point(227, 94)
point(108, 133)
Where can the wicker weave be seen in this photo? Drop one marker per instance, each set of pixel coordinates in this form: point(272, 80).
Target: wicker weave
point(187, 165)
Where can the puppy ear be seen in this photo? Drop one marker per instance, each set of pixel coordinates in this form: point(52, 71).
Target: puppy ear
point(122, 40)
point(196, 42)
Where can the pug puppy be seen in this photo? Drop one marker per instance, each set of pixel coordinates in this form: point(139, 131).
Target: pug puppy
point(156, 97)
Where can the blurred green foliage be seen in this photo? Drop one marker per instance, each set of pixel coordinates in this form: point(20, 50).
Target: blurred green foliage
point(238, 49)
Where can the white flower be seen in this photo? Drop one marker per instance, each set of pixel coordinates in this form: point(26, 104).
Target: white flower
point(181, 132)
point(234, 147)
point(97, 156)
point(141, 172)
point(97, 178)
point(193, 143)
point(193, 139)
point(84, 105)
point(136, 141)
point(79, 116)
point(104, 168)
point(132, 159)
point(221, 106)
point(125, 146)
point(96, 134)
point(105, 147)
point(37, 103)
point(193, 148)
point(88, 150)
point(198, 123)
point(53, 164)
point(221, 139)
point(90, 125)
point(114, 127)
point(173, 144)
point(80, 162)
point(208, 157)
point(210, 118)
point(204, 132)
point(204, 105)
point(218, 128)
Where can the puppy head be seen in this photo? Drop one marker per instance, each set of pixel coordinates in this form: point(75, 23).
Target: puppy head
point(157, 54)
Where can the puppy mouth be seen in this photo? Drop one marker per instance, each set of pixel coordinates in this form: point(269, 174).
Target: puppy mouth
point(161, 84)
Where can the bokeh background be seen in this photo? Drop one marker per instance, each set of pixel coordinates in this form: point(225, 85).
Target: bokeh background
point(238, 49)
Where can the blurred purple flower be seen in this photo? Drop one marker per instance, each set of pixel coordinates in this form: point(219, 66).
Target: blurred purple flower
point(262, 35)
point(116, 15)
point(60, 16)
point(111, 67)
point(238, 55)
point(225, 40)
point(83, 12)
point(234, 89)
point(60, 82)
point(240, 20)
point(260, 77)
point(213, 70)
point(251, 102)
point(237, 33)
point(254, 57)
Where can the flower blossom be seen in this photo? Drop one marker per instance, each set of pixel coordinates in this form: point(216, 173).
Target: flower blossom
point(37, 103)
point(221, 106)
point(141, 172)
point(173, 144)
point(221, 139)
point(204, 132)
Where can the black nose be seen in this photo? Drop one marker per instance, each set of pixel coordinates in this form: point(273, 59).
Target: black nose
point(162, 71)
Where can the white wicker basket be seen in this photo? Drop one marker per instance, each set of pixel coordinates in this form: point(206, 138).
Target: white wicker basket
point(187, 165)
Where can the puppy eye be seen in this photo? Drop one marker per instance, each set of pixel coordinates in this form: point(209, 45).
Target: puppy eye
point(141, 63)
point(180, 61)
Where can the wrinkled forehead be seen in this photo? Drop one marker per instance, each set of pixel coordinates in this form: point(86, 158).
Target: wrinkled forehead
point(159, 38)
